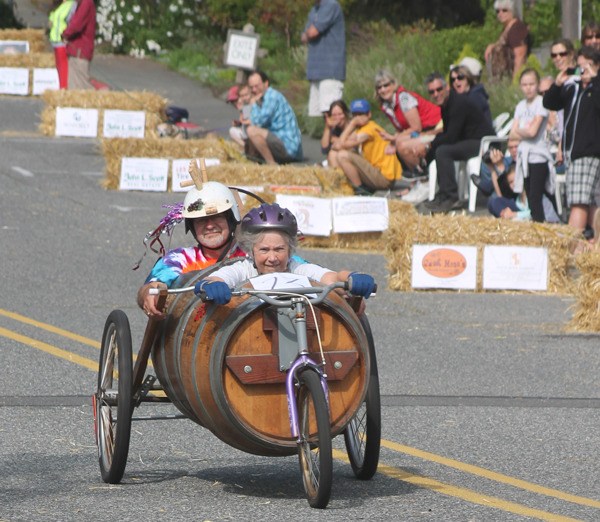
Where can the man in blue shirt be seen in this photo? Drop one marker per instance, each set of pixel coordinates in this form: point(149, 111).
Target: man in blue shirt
point(325, 35)
point(273, 134)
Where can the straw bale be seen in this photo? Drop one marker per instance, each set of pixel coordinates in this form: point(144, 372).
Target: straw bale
point(29, 60)
point(407, 230)
point(153, 104)
point(35, 37)
point(586, 316)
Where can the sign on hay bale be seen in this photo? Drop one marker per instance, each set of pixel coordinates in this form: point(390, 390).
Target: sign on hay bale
point(152, 104)
point(27, 74)
point(586, 317)
point(410, 229)
point(36, 38)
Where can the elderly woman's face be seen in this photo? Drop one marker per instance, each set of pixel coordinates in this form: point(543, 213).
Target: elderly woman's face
point(385, 89)
point(271, 253)
point(504, 15)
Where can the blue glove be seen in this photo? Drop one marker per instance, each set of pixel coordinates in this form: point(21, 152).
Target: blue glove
point(361, 284)
point(216, 291)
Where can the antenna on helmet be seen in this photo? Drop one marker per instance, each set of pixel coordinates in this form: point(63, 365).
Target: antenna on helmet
point(197, 170)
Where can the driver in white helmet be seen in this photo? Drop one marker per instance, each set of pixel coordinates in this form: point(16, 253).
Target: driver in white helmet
point(211, 214)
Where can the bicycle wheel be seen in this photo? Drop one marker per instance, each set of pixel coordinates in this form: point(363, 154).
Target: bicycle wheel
point(314, 449)
point(363, 434)
point(113, 399)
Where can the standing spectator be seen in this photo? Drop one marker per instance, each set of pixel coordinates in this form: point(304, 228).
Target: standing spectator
point(273, 134)
point(535, 165)
point(409, 113)
point(376, 169)
point(60, 14)
point(463, 82)
point(239, 96)
point(579, 96)
point(325, 35)
point(80, 35)
point(562, 53)
point(464, 126)
point(590, 35)
point(336, 120)
point(508, 54)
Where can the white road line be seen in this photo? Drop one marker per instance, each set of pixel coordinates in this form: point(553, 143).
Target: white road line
point(22, 171)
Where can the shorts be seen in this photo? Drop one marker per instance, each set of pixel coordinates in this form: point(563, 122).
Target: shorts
point(277, 148)
point(322, 94)
point(370, 176)
point(582, 179)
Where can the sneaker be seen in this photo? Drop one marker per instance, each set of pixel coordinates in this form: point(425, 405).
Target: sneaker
point(414, 175)
point(435, 202)
point(417, 194)
point(477, 182)
point(441, 204)
point(362, 191)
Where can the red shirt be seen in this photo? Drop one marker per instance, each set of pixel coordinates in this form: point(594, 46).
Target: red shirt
point(429, 113)
point(81, 31)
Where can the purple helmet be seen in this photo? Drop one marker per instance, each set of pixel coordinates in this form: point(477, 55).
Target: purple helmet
point(270, 217)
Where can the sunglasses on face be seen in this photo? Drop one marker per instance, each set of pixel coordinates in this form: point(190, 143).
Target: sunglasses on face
point(501, 11)
point(436, 90)
point(458, 77)
point(562, 54)
point(591, 36)
point(383, 85)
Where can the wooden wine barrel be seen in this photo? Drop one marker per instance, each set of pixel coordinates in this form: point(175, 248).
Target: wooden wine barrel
point(220, 366)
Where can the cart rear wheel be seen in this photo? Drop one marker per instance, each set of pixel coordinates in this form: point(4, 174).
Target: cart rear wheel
point(363, 434)
point(316, 460)
point(113, 399)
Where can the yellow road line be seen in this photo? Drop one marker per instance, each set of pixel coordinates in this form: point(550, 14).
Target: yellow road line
point(50, 328)
point(52, 350)
point(462, 493)
point(492, 475)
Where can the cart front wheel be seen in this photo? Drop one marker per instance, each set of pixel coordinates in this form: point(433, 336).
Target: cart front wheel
point(113, 399)
point(314, 449)
point(363, 434)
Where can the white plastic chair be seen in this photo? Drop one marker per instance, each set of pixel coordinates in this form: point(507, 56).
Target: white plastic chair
point(500, 120)
point(474, 166)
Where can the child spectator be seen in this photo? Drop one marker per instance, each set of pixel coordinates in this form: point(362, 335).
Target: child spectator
point(240, 95)
point(376, 169)
point(535, 165)
point(336, 120)
point(60, 14)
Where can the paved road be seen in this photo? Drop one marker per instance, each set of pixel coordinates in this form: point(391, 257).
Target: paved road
point(490, 411)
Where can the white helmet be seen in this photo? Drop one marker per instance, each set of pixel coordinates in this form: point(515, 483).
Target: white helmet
point(472, 64)
point(213, 198)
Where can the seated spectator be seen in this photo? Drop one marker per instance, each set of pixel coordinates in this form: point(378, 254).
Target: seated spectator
point(464, 126)
point(495, 161)
point(507, 55)
point(463, 82)
point(590, 35)
point(336, 120)
point(409, 113)
point(579, 96)
point(239, 96)
point(273, 134)
point(376, 169)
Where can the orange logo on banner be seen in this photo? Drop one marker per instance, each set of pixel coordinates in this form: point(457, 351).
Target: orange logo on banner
point(444, 262)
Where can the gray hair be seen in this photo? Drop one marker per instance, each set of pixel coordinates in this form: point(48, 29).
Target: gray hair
point(505, 4)
point(247, 240)
point(435, 76)
point(384, 75)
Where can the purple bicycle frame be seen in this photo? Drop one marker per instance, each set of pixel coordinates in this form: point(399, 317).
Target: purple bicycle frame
point(302, 361)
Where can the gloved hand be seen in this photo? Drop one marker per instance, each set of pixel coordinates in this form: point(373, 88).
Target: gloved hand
point(216, 291)
point(361, 284)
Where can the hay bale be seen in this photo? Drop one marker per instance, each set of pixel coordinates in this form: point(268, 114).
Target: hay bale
point(35, 37)
point(409, 229)
point(586, 316)
point(30, 60)
point(152, 104)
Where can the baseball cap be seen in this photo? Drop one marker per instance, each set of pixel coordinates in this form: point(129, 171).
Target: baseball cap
point(233, 93)
point(360, 106)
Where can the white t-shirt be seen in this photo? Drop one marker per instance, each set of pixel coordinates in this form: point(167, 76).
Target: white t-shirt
point(525, 112)
point(243, 270)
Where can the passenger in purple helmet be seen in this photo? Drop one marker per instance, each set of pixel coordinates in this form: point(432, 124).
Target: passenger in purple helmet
point(268, 234)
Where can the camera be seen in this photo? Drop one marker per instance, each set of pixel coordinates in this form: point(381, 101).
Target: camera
point(486, 158)
point(572, 70)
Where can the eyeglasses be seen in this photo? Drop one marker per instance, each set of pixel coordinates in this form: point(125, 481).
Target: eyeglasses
point(436, 90)
point(591, 36)
point(502, 11)
point(562, 54)
point(383, 85)
point(457, 77)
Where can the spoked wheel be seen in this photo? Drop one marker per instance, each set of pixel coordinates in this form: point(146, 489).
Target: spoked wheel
point(113, 398)
point(363, 434)
point(314, 450)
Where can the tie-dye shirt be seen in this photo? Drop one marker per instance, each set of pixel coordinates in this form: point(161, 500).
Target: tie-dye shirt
point(183, 260)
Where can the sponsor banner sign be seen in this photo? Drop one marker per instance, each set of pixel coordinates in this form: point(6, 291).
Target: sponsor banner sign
point(515, 268)
point(74, 121)
point(14, 80)
point(313, 214)
point(124, 124)
point(181, 172)
point(44, 79)
point(148, 174)
point(444, 266)
point(360, 214)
